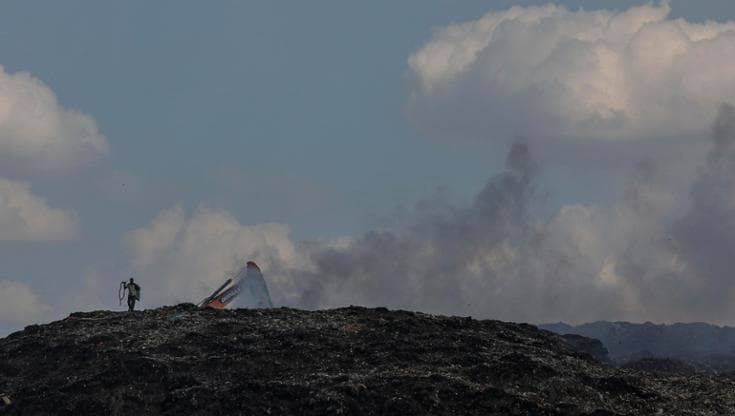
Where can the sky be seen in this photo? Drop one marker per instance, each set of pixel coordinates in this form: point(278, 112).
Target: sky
point(516, 160)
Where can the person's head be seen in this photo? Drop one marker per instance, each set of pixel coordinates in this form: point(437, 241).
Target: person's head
point(131, 280)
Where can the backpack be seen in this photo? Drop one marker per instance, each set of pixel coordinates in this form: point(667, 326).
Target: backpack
point(137, 291)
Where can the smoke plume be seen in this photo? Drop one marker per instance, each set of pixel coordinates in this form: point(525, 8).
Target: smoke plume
point(637, 258)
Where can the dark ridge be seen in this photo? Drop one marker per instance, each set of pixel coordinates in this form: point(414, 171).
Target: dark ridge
point(590, 346)
point(702, 346)
point(181, 360)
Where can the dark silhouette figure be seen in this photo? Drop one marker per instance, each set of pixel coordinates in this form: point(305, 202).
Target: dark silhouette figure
point(133, 293)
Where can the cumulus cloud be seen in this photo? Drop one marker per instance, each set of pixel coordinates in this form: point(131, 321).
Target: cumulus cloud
point(92, 292)
point(553, 74)
point(37, 134)
point(182, 258)
point(18, 303)
point(27, 217)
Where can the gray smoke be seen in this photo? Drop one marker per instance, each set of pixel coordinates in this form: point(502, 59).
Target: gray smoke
point(429, 262)
point(633, 259)
point(707, 231)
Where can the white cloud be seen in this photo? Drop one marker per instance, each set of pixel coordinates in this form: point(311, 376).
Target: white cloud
point(18, 303)
point(550, 73)
point(37, 134)
point(25, 216)
point(180, 259)
point(92, 292)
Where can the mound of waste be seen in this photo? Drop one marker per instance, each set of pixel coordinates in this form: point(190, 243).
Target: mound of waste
point(661, 365)
point(183, 360)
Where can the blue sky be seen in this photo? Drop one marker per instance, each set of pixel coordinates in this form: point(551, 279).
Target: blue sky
point(306, 96)
point(273, 92)
point(275, 111)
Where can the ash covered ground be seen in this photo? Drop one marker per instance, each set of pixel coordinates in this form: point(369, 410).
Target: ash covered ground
point(182, 360)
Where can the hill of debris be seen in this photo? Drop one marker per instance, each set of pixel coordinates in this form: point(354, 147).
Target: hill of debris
point(182, 360)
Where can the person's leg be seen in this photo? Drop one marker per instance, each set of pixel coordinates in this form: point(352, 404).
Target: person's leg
point(131, 303)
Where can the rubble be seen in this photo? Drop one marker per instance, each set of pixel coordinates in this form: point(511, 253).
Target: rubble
point(181, 360)
point(665, 366)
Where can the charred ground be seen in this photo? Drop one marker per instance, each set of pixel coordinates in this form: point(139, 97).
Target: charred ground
point(183, 360)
